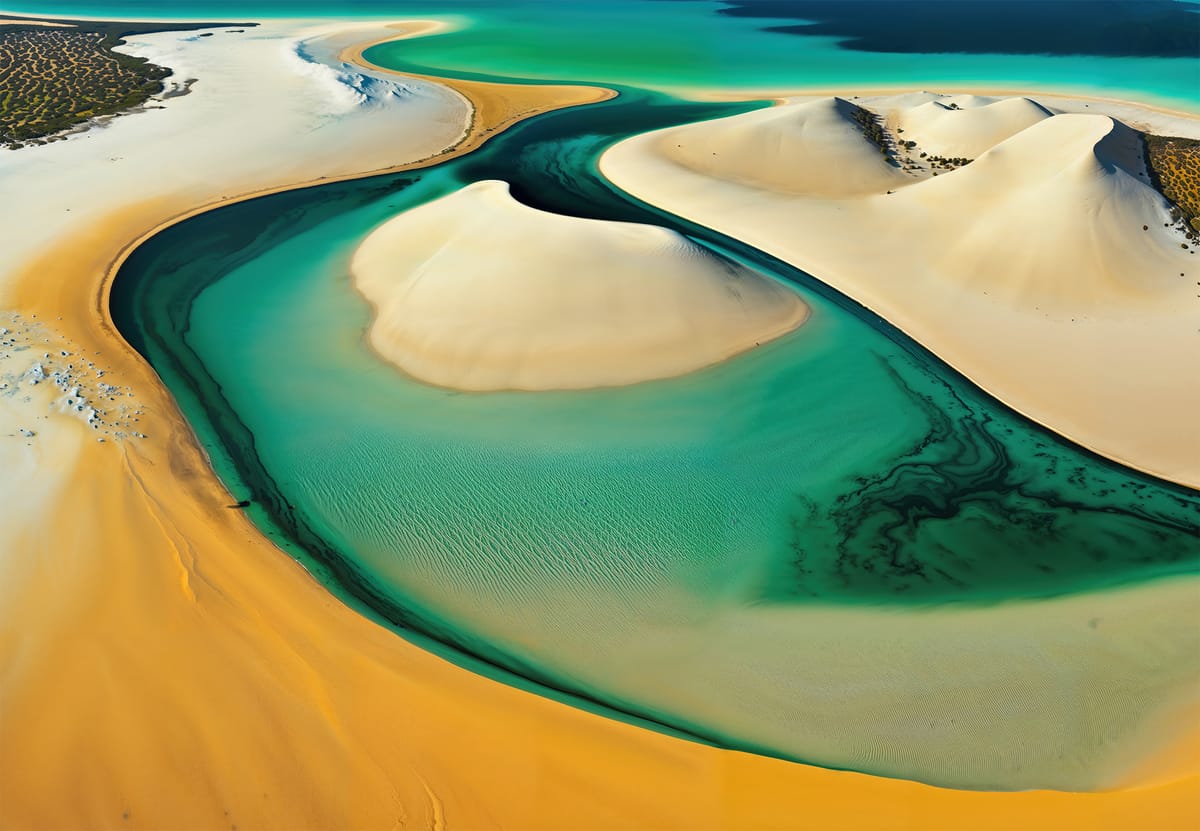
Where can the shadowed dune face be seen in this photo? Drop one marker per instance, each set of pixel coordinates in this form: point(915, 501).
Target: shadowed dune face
point(245, 655)
point(664, 546)
point(478, 292)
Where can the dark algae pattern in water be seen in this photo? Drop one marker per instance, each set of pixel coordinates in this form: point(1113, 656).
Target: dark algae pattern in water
point(1036, 517)
point(560, 536)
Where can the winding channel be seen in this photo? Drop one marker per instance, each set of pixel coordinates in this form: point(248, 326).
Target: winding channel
point(593, 542)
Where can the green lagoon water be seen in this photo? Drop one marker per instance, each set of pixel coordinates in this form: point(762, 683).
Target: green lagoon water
point(598, 543)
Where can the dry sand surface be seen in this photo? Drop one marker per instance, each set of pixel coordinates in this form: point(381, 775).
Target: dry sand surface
point(494, 107)
point(477, 291)
point(971, 130)
point(162, 665)
point(16, 21)
point(1047, 270)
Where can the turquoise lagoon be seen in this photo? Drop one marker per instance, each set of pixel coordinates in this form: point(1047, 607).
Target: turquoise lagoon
point(681, 44)
point(620, 547)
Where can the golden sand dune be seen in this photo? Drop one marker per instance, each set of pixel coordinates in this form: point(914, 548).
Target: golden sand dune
point(1048, 270)
point(179, 671)
point(479, 292)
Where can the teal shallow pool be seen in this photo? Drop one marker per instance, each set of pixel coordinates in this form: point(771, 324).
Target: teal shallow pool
point(606, 543)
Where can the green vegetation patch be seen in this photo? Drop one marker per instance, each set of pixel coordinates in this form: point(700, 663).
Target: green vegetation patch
point(1175, 170)
point(56, 78)
point(872, 127)
point(943, 162)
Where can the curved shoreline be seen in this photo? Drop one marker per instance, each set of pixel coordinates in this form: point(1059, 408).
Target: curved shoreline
point(491, 112)
point(485, 98)
point(473, 88)
point(634, 778)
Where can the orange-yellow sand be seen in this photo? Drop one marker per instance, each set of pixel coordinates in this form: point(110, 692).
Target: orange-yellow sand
point(162, 665)
point(494, 107)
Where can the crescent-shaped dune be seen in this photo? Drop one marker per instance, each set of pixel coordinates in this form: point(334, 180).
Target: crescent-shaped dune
point(477, 291)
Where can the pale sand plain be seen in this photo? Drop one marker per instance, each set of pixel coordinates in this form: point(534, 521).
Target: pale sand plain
point(1047, 270)
point(166, 666)
point(477, 291)
point(9, 21)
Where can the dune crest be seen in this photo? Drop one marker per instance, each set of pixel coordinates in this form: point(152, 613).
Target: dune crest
point(816, 148)
point(476, 291)
point(1067, 189)
point(953, 130)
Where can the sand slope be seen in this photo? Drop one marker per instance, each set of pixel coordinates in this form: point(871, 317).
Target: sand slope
point(814, 148)
point(479, 292)
point(968, 131)
point(1028, 269)
point(1062, 201)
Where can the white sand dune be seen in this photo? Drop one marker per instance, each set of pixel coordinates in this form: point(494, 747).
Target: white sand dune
point(1063, 201)
point(814, 148)
point(967, 131)
point(477, 291)
point(1047, 270)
